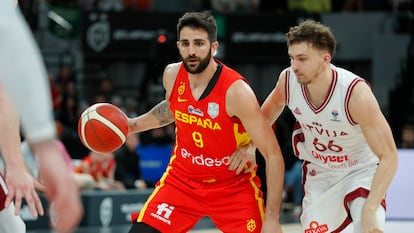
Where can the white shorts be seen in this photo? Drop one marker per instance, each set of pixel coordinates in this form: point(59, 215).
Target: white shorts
point(9, 222)
point(328, 197)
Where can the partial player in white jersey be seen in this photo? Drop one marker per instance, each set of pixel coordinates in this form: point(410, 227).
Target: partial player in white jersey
point(24, 89)
point(348, 149)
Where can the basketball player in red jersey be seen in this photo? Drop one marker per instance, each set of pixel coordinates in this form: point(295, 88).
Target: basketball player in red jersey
point(215, 111)
point(349, 153)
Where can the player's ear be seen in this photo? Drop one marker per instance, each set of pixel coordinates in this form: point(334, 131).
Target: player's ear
point(327, 58)
point(214, 47)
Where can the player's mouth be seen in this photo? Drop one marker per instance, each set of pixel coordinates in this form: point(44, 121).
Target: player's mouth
point(192, 61)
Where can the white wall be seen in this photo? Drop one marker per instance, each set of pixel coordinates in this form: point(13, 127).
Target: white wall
point(400, 196)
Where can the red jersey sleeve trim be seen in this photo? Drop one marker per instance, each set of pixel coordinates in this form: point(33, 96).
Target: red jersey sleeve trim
point(347, 98)
point(287, 84)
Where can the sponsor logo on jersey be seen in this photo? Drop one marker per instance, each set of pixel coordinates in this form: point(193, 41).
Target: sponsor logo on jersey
point(251, 225)
point(180, 100)
point(314, 227)
point(297, 111)
point(195, 111)
point(163, 213)
point(312, 173)
point(213, 109)
point(203, 160)
point(330, 158)
point(334, 115)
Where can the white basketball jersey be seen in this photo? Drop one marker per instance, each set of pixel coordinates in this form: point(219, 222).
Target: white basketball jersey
point(331, 138)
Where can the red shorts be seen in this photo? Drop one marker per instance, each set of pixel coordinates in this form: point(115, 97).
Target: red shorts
point(178, 203)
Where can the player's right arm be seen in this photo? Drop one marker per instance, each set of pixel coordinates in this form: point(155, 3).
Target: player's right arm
point(160, 115)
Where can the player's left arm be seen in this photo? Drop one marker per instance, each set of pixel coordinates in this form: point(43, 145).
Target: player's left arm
point(365, 111)
point(242, 103)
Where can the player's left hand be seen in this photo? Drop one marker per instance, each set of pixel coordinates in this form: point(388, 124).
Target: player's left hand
point(21, 185)
point(244, 158)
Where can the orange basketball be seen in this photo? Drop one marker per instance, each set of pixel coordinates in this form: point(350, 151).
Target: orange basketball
point(103, 128)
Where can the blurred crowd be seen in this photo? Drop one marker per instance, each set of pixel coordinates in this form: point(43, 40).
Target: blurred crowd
point(227, 6)
point(243, 6)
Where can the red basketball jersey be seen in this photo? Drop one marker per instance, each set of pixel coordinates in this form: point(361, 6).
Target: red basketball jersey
point(205, 134)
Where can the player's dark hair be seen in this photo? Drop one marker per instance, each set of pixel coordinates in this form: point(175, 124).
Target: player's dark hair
point(204, 20)
point(315, 33)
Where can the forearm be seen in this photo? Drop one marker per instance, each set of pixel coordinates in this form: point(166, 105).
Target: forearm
point(382, 180)
point(10, 136)
point(160, 115)
point(274, 181)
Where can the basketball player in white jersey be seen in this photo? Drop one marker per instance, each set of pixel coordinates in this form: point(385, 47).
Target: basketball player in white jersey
point(347, 146)
point(24, 89)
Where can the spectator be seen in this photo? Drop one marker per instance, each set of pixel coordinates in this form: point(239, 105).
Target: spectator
point(118, 101)
point(271, 6)
point(361, 5)
point(101, 166)
point(65, 76)
point(127, 164)
point(70, 107)
point(85, 181)
point(407, 136)
point(56, 93)
point(106, 89)
point(310, 6)
point(131, 107)
point(228, 6)
point(142, 5)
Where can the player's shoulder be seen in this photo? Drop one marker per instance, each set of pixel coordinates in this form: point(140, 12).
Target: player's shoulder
point(342, 72)
point(284, 75)
point(285, 72)
point(173, 67)
point(171, 71)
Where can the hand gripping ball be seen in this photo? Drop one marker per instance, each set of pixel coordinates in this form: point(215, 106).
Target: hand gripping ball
point(103, 128)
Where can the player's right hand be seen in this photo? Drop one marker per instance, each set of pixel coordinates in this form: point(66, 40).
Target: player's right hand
point(62, 192)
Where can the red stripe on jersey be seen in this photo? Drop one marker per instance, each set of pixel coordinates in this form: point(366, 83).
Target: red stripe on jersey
point(348, 97)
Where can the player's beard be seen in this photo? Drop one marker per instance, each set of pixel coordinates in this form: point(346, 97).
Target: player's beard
point(203, 63)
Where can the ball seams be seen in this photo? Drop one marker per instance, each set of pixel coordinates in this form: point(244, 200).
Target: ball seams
point(92, 114)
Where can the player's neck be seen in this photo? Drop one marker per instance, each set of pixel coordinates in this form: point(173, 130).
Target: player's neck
point(201, 80)
point(319, 88)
